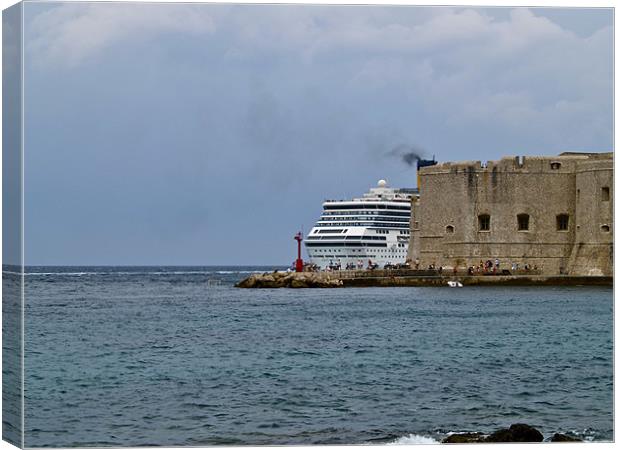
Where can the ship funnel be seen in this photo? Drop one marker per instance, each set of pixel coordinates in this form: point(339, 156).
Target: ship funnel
point(424, 163)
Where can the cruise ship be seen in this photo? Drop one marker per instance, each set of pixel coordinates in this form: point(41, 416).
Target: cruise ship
point(371, 231)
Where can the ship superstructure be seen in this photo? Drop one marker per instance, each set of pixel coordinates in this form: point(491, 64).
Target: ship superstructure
point(369, 231)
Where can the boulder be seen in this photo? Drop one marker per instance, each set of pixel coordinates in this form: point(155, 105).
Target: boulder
point(278, 284)
point(249, 282)
point(298, 284)
point(518, 432)
point(464, 438)
point(559, 437)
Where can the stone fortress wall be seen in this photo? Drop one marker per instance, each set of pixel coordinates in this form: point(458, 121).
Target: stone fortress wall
point(555, 213)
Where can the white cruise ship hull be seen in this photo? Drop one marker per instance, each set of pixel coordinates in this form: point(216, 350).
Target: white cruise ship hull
point(372, 231)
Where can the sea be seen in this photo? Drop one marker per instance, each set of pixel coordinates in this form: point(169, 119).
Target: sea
point(177, 356)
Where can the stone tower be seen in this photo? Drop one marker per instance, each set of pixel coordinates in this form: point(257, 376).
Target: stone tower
point(555, 213)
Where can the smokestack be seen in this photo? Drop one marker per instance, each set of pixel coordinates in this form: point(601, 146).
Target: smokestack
point(411, 155)
point(424, 163)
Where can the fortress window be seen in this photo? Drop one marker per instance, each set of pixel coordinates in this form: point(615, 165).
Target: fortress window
point(605, 194)
point(605, 228)
point(555, 165)
point(484, 222)
point(449, 229)
point(562, 222)
point(523, 222)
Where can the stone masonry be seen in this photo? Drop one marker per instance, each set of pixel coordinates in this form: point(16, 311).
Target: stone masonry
point(555, 213)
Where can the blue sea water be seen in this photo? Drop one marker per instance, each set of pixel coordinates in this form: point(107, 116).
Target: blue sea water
point(118, 356)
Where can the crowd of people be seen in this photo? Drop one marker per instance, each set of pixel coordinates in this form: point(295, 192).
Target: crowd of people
point(488, 267)
point(485, 268)
point(359, 265)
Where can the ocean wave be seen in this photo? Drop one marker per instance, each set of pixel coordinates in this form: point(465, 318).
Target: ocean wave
point(71, 274)
point(587, 434)
point(79, 274)
point(413, 439)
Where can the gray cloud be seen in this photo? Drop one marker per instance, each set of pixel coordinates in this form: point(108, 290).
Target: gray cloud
point(180, 133)
point(71, 33)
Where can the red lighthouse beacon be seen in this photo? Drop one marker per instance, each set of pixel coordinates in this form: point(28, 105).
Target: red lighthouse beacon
point(299, 263)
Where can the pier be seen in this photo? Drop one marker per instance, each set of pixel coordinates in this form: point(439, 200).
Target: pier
point(413, 278)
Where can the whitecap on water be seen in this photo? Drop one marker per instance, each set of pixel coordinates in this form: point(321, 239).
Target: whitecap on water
point(414, 439)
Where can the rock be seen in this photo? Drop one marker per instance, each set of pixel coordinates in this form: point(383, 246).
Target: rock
point(518, 432)
point(559, 437)
point(249, 282)
point(298, 284)
point(291, 280)
point(464, 438)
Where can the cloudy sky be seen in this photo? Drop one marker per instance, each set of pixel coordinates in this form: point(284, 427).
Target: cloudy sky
point(209, 134)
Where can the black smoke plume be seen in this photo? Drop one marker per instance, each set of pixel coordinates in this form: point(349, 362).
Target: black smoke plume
point(409, 154)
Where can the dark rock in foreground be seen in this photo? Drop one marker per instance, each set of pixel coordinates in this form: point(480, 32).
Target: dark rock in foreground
point(559, 437)
point(465, 438)
point(518, 432)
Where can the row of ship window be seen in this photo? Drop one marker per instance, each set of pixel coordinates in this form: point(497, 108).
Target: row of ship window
point(368, 213)
point(370, 219)
point(353, 250)
point(364, 224)
point(346, 244)
point(340, 230)
point(355, 256)
point(381, 251)
point(368, 238)
point(381, 231)
point(365, 207)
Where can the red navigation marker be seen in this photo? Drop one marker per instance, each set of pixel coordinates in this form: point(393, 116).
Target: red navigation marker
point(299, 263)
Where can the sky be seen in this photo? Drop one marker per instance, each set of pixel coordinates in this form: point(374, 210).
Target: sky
point(188, 134)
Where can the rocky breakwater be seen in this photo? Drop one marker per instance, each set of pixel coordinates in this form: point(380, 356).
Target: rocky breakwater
point(291, 280)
